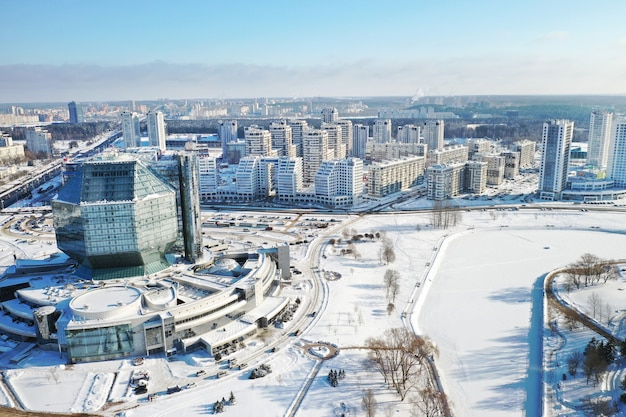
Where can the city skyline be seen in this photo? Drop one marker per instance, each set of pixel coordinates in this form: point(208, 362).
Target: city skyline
point(71, 50)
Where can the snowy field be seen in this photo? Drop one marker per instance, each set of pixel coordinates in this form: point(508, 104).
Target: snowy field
point(471, 289)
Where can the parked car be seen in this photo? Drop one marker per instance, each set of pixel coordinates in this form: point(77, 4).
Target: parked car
point(175, 388)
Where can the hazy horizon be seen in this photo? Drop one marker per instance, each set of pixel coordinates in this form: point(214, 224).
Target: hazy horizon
point(85, 51)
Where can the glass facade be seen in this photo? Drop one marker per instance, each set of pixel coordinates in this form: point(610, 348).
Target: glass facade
point(115, 214)
point(99, 343)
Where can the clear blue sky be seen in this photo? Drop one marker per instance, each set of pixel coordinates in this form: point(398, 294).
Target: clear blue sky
point(105, 50)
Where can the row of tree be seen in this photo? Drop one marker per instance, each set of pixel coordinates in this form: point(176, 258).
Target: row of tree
point(590, 270)
point(444, 215)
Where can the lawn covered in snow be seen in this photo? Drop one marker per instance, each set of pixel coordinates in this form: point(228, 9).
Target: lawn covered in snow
point(476, 299)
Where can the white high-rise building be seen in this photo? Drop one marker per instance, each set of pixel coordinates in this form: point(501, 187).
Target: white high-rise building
point(282, 137)
point(258, 142)
point(39, 141)
point(156, 129)
point(360, 136)
point(227, 132)
point(616, 169)
point(330, 115)
point(556, 140)
point(599, 139)
point(289, 180)
point(298, 127)
point(346, 134)
point(314, 151)
point(339, 183)
point(408, 134)
point(526, 150)
point(130, 129)
point(208, 178)
point(335, 140)
point(433, 134)
point(382, 131)
point(247, 177)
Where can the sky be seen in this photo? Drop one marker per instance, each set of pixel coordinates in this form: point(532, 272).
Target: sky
point(113, 50)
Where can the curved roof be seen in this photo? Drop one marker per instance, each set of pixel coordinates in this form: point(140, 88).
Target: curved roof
point(106, 302)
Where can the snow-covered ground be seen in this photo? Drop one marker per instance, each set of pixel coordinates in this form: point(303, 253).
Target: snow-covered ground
point(477, 299)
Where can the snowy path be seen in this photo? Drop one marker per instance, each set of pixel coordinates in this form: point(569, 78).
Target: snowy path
point(295, 406)
point(534, 380)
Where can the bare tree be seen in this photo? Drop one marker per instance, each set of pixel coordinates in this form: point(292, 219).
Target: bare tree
point(391, 279)
point(444, 216)
point(353, 251)
point(595, 304)
point(588, 266)
point(609, 272)
point(399, 356)
point(590, 270)
point(574, 278)
point(369, 403)
point(386, 253)
point(427, 403)
point(607, 312)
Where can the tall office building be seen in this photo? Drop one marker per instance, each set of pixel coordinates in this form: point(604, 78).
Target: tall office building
point(130, 129)
point(599, 139)
point(76, 112)
point(314, 150)
point(330, 115)
point(360, 135)
point(382, 131)
point(282, 138)
point(408, 134)
point(298, 127)
point(188, 186)
point(156, 129)
point(227, 132)
point(433, 134)
point(556, 140)
point(616, 169)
